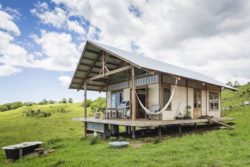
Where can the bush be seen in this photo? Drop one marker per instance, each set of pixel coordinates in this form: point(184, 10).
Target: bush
point(64, 100)
point(10, 106)
point(94, 140)
point(88, 103)
point(37, 113)
point(70, 100)
point(98, 104)
point(157, 140)
point(51, 102)
point(29, 103)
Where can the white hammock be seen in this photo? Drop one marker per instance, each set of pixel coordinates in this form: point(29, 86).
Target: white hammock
point(166, 105)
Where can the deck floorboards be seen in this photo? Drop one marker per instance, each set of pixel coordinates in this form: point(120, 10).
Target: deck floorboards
point(147, 123)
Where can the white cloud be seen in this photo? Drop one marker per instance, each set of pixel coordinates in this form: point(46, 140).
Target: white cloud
point(65, 80)
point(60, 52)
point(56, 17)
point(75, 27)
point(7, 70)
point(199, 35)
point(7, 24)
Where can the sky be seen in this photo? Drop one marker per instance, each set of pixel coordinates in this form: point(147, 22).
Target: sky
point(41, 41)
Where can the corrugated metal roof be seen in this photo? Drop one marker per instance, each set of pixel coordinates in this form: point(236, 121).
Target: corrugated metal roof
point(144, 62)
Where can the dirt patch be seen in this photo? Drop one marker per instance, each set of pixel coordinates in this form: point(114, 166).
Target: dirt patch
point(136, 145)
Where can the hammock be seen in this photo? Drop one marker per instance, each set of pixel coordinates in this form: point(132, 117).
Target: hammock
point(166, 105)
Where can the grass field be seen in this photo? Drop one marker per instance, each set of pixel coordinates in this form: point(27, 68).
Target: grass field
point(213, 148)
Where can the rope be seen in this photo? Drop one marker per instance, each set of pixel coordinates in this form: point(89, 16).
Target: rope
point(166, 105)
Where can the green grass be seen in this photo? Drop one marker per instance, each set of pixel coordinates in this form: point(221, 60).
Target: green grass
point(213, 148)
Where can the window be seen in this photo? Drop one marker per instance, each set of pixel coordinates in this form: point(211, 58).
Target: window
point(213, 101)
point(166, 96)
point(116, 99)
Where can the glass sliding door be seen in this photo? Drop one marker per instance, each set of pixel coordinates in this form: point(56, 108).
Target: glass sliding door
point(116, 99)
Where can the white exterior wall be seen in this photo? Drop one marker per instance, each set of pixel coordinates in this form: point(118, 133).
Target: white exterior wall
point(178, 104)
point(126, 94)
point(191, 100)
point(179, 98)
point(108, 96)
point(203, 102)
point(153, 94)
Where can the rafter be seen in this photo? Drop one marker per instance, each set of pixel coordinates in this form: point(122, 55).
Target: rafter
point(111, 72)
point(92, 66)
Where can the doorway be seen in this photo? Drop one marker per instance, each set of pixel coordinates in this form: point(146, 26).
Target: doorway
point(197, 104)
point(143, 96)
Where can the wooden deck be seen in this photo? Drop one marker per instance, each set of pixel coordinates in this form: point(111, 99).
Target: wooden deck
point(147, 123)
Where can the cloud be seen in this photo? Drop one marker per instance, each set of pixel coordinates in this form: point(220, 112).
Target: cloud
point(60, 53)
point(7, 24)
point(7, 70)
point(75, 27)
point(12, 55)
point(65, 80)
point(210, 37)
point(199, 35)
point(55, 17)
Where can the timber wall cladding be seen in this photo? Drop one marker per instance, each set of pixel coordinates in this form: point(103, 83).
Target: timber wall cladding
point(171, 80)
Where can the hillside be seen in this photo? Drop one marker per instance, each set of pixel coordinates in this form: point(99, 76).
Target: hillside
point(58, 131)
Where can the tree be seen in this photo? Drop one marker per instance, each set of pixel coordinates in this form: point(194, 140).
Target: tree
point(51, 102)
point(98, 104)
point(70, 100)
point(88, 103)
point(229, 83)
point(64, 100)
point(236, 83)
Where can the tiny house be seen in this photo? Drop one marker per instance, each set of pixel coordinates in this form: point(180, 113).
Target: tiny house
point(143, 92)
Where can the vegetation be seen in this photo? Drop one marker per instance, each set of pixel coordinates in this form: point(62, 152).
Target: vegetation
point(98, 104)
point(10, 106)
point(212, 148)
point(15, 105)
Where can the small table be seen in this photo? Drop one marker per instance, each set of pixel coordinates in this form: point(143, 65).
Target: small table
point(111, 113)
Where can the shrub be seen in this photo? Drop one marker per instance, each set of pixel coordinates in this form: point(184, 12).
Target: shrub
point(64, 100)
point(88, 103)
point(37, 113)
point(98, 104)
point(157, 140)
point(10, 106)
point(51, 102)
point(70, 100)
point(29, 103)
point(94, 140)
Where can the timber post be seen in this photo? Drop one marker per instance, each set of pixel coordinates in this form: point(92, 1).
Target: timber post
point(85, 108)
point(133, 94)
point(133, 132)
point(159, 131)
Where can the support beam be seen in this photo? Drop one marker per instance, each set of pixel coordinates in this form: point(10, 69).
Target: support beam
point(90, 69)
point(179, 128)
point(133, 94)
point(85, 108)
point(133, 132)
point(111, 77)
point(159, 131)
point(110, 73)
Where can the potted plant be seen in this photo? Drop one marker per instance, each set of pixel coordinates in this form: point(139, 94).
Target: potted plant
point(188, 112)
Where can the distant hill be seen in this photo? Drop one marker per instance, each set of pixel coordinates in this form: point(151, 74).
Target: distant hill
point(230, 98)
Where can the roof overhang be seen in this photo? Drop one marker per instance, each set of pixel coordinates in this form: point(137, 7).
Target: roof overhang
point(90, 65)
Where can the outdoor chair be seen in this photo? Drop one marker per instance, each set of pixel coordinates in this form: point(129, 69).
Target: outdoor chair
point(154, 108)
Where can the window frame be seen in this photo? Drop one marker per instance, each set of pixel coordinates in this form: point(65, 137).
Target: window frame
point(115, 93)
point(214, 101)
